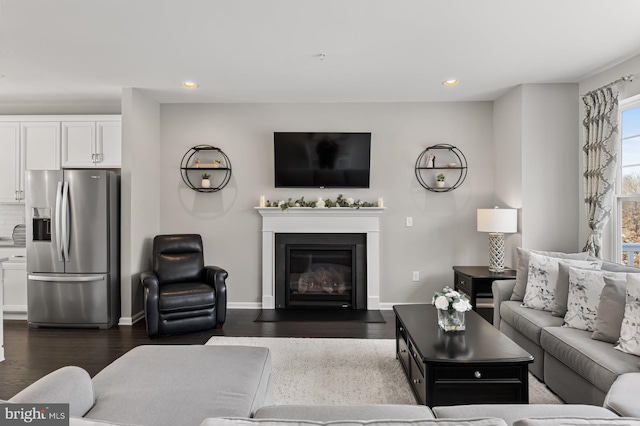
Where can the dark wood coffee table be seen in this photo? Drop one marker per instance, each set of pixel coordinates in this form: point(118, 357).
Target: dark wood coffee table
point(477, 366)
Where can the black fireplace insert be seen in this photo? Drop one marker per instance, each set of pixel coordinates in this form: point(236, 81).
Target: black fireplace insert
point(321, 271)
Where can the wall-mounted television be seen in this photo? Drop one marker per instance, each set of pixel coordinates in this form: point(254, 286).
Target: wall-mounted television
point(322, 160)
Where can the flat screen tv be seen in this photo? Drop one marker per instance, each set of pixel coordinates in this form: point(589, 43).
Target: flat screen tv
point(322, 160)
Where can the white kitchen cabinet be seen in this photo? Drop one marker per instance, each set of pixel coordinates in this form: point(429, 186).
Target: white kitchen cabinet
point(15, 289)
point(11, 176)
point(91, 144)
point(40, 145)
point(14, 277)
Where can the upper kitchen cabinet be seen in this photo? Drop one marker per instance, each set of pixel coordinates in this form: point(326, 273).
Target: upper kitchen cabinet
point(11, 182)
point(40, 145)
point(88, 144)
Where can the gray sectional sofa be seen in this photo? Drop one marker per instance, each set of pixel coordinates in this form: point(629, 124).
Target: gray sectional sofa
point(576, 367)
point(231, 385)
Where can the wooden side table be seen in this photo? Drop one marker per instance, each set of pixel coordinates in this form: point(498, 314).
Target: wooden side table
point(475, 282)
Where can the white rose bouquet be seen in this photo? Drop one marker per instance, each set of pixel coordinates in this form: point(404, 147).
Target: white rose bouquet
point(451, 306)
point(450, 300)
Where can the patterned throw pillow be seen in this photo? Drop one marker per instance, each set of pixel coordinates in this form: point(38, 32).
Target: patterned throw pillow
point(630, 331)
point(543, 278)
point(585, 287)
point(522, 272)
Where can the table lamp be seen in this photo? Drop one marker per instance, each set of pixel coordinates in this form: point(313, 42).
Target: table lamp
point(497, 222)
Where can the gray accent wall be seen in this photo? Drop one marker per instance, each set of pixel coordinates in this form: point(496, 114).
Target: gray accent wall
point(444, 224)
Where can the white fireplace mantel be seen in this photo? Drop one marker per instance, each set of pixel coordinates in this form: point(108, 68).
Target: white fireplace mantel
point(365, 220)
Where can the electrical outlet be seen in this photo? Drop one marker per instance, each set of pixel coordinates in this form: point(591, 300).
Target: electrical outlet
point(416, 275)
point(408, 222)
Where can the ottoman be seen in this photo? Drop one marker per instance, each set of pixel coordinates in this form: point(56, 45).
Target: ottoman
point(182, 384)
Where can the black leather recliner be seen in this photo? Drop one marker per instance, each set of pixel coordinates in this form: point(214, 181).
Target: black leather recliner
point(182, 295)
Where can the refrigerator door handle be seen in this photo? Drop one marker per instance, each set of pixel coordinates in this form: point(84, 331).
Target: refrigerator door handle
point(57, 222)
point(66, 278)
point(65, 221)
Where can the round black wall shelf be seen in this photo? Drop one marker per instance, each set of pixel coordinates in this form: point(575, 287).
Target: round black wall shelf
point(205, 159)
point(442, 159)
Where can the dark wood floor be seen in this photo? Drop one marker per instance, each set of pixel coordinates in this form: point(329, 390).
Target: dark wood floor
point(32, 353)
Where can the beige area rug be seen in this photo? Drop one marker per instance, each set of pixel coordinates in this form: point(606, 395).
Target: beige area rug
point(344, 371)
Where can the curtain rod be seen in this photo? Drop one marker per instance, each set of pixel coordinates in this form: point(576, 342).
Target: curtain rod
point(628, 77)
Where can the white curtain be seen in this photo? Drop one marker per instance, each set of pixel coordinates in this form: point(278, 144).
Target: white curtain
point(600, 129)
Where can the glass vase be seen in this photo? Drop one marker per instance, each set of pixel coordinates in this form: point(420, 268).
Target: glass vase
point(451, 320)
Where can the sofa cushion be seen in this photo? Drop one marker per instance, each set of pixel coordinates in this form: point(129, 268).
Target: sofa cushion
point(279, 422)
point(527, 321)
point(186, 296)
point(523, 267)
point(79, 421)
point(182, 384)
point(67, 385)
point(616, 267)
point(610, 310)
point(630, 330)
point(512, 412)
point(622, 398)
point(594, 360)
point(325, 413)
point(575, 421)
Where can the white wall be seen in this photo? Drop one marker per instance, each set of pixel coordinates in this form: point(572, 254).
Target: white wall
point(549, 160)
point(627, 90)
point(507, 130)
point(140, 195)
point(444, 224)
point(536, 138)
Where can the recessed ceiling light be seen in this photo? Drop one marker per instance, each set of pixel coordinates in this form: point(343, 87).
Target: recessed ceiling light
point(450, 83)
point(189, 84)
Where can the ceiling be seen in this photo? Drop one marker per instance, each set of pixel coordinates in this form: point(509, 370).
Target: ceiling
point(269, 50)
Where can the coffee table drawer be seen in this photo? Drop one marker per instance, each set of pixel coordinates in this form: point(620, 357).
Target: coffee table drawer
point(403, 353)
point(477, 373)
point(452, 393)
point(418, 383)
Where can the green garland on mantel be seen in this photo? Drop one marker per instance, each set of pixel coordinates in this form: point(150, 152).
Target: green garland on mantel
point(321, 203)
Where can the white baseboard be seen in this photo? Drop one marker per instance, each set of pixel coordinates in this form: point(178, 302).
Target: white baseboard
point(131, 320)
point(387, 306)
point(15, 312)
point(244, 305)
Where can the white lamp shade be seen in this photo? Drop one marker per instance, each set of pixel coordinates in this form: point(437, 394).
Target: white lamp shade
point(498, 220)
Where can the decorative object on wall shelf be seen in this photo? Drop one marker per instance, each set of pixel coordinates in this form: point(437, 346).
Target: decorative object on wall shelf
point(320, 202)
point(205, 157)
point(450, 163)
point(206, 182)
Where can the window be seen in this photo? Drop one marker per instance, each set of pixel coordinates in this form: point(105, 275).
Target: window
point(626, 220)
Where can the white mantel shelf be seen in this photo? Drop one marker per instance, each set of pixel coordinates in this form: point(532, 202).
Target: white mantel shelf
point(365, 220)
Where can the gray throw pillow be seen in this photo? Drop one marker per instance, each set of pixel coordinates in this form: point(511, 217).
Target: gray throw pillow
point(610, 310)
point(523, 268)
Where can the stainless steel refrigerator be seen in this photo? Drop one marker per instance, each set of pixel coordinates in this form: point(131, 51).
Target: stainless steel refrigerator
point(73, 277)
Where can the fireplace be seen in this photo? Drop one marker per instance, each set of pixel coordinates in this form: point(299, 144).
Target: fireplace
point(305, 220)
point(321, 271)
